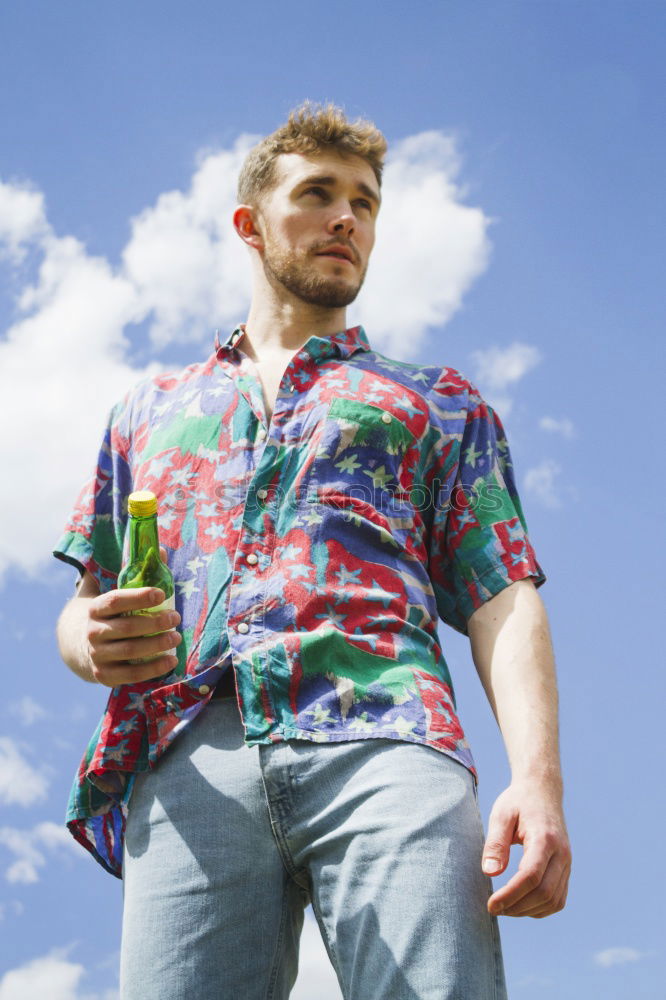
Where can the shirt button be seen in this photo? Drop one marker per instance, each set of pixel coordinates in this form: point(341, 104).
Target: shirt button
point(386, 417)
point(262, 494)
point(204, 689)
point(261, 433)
point(243, 627)
point(292, 387)
point(252, 558)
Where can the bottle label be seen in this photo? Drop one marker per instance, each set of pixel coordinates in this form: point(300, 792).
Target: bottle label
point(168, 605)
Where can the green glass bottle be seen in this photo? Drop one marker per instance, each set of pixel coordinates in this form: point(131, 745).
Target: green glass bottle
point(145, 567)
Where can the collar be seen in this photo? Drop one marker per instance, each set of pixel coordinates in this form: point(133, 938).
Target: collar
point(343, 343)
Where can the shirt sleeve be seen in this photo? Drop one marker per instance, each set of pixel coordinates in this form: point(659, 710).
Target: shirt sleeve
point(94, 535)
point(479, 542)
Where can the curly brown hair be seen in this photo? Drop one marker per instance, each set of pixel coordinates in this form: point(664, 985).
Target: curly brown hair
point(310, 128)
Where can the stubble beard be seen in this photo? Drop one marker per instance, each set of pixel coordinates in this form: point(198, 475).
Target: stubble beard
point(299, 277)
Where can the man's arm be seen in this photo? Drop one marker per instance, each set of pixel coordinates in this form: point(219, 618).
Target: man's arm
point(513, 655)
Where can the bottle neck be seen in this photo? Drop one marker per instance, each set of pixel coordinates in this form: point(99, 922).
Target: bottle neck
point(143, 536)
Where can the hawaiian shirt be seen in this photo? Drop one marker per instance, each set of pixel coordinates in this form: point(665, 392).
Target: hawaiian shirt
point(313, 554)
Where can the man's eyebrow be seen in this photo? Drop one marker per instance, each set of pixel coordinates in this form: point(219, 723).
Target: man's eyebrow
point(331, 181)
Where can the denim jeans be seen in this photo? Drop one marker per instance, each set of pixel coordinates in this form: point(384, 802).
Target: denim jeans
point(227, 844)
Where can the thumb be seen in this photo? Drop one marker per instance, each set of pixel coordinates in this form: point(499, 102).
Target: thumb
point(163, 554)
point(497, 847)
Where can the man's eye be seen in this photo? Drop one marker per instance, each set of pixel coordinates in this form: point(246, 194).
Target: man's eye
point(364, 204)
point(315, 190)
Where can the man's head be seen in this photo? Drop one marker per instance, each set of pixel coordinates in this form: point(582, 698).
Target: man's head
point(309, 195)
point(309, 130)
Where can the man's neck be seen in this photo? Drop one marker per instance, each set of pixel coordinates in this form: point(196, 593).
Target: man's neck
point(272, 332)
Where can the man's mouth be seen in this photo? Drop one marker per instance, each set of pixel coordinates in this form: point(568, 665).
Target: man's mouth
point(338, 253)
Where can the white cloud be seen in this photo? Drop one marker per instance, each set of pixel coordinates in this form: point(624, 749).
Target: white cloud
point(61, 368)
point(542, 482)
point(27, 710)
point(497, 369)
point(52, 976)
point(16, 907)
point(618, 956)
point(315, 972)
point(28, 847)
point(20, 782)
point(66, 359)
point(57, 978)
point(430, 247)
point(22, 219)
point(184, 259)
point(500, 367)
point(563, 426)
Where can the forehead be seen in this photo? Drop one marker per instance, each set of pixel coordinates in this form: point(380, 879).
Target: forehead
point(293, 168)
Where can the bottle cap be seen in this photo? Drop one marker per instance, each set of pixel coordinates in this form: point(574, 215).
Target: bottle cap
point(142, 503)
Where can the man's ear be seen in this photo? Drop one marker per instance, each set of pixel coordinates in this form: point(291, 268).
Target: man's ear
point(245, 223)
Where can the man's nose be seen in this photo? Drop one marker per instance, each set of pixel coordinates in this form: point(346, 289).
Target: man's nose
point(342, 222)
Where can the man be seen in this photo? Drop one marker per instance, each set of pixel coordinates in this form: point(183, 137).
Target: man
point(321, 506)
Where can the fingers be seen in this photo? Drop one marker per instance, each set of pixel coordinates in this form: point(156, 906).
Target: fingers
point(539, 887)
point(117, 639)
point(113, 674)
point(538, 897)
point(110, 629)
point(522, 883)
point(551, 896)
point(138, 648)
point(501, 831)
point(529, 876)
point(120, 639)
point(551, 905)
point(121, 660)
point(105, 650)
point(497, 848)
point(119, 602)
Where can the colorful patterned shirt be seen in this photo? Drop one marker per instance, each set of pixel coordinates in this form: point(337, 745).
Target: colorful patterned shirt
point(312, 553)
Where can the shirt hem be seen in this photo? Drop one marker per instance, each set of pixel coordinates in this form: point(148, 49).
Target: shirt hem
point(314, 736)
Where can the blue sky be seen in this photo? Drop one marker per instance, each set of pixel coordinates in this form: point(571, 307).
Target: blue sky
point(527, 146)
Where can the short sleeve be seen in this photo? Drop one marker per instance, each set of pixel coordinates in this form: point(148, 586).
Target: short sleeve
point(94, 535)
point(479, 542)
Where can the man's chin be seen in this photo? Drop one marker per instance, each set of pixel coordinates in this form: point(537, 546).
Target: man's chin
point(326, 294)
point(331, 298)
point(316, 290)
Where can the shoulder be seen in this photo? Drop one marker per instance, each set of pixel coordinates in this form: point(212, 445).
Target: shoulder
point(155, 393)
point(429, 380)
point(446, 398)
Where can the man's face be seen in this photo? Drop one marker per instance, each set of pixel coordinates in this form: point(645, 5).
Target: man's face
point(319, 226)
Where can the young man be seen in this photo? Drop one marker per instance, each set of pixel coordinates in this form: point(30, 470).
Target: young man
point(321, 507)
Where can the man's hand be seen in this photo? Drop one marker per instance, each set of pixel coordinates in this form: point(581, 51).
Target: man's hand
point(97, 642)
point(528, 813)
point(112, 640)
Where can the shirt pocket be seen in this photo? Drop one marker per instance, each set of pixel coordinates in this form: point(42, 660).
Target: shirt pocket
point(360, 453)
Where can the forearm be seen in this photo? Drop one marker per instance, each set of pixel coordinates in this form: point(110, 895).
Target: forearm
point(71, 633)
point(513, 654)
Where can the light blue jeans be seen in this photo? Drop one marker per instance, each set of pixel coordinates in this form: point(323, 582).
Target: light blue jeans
point(227, 844)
